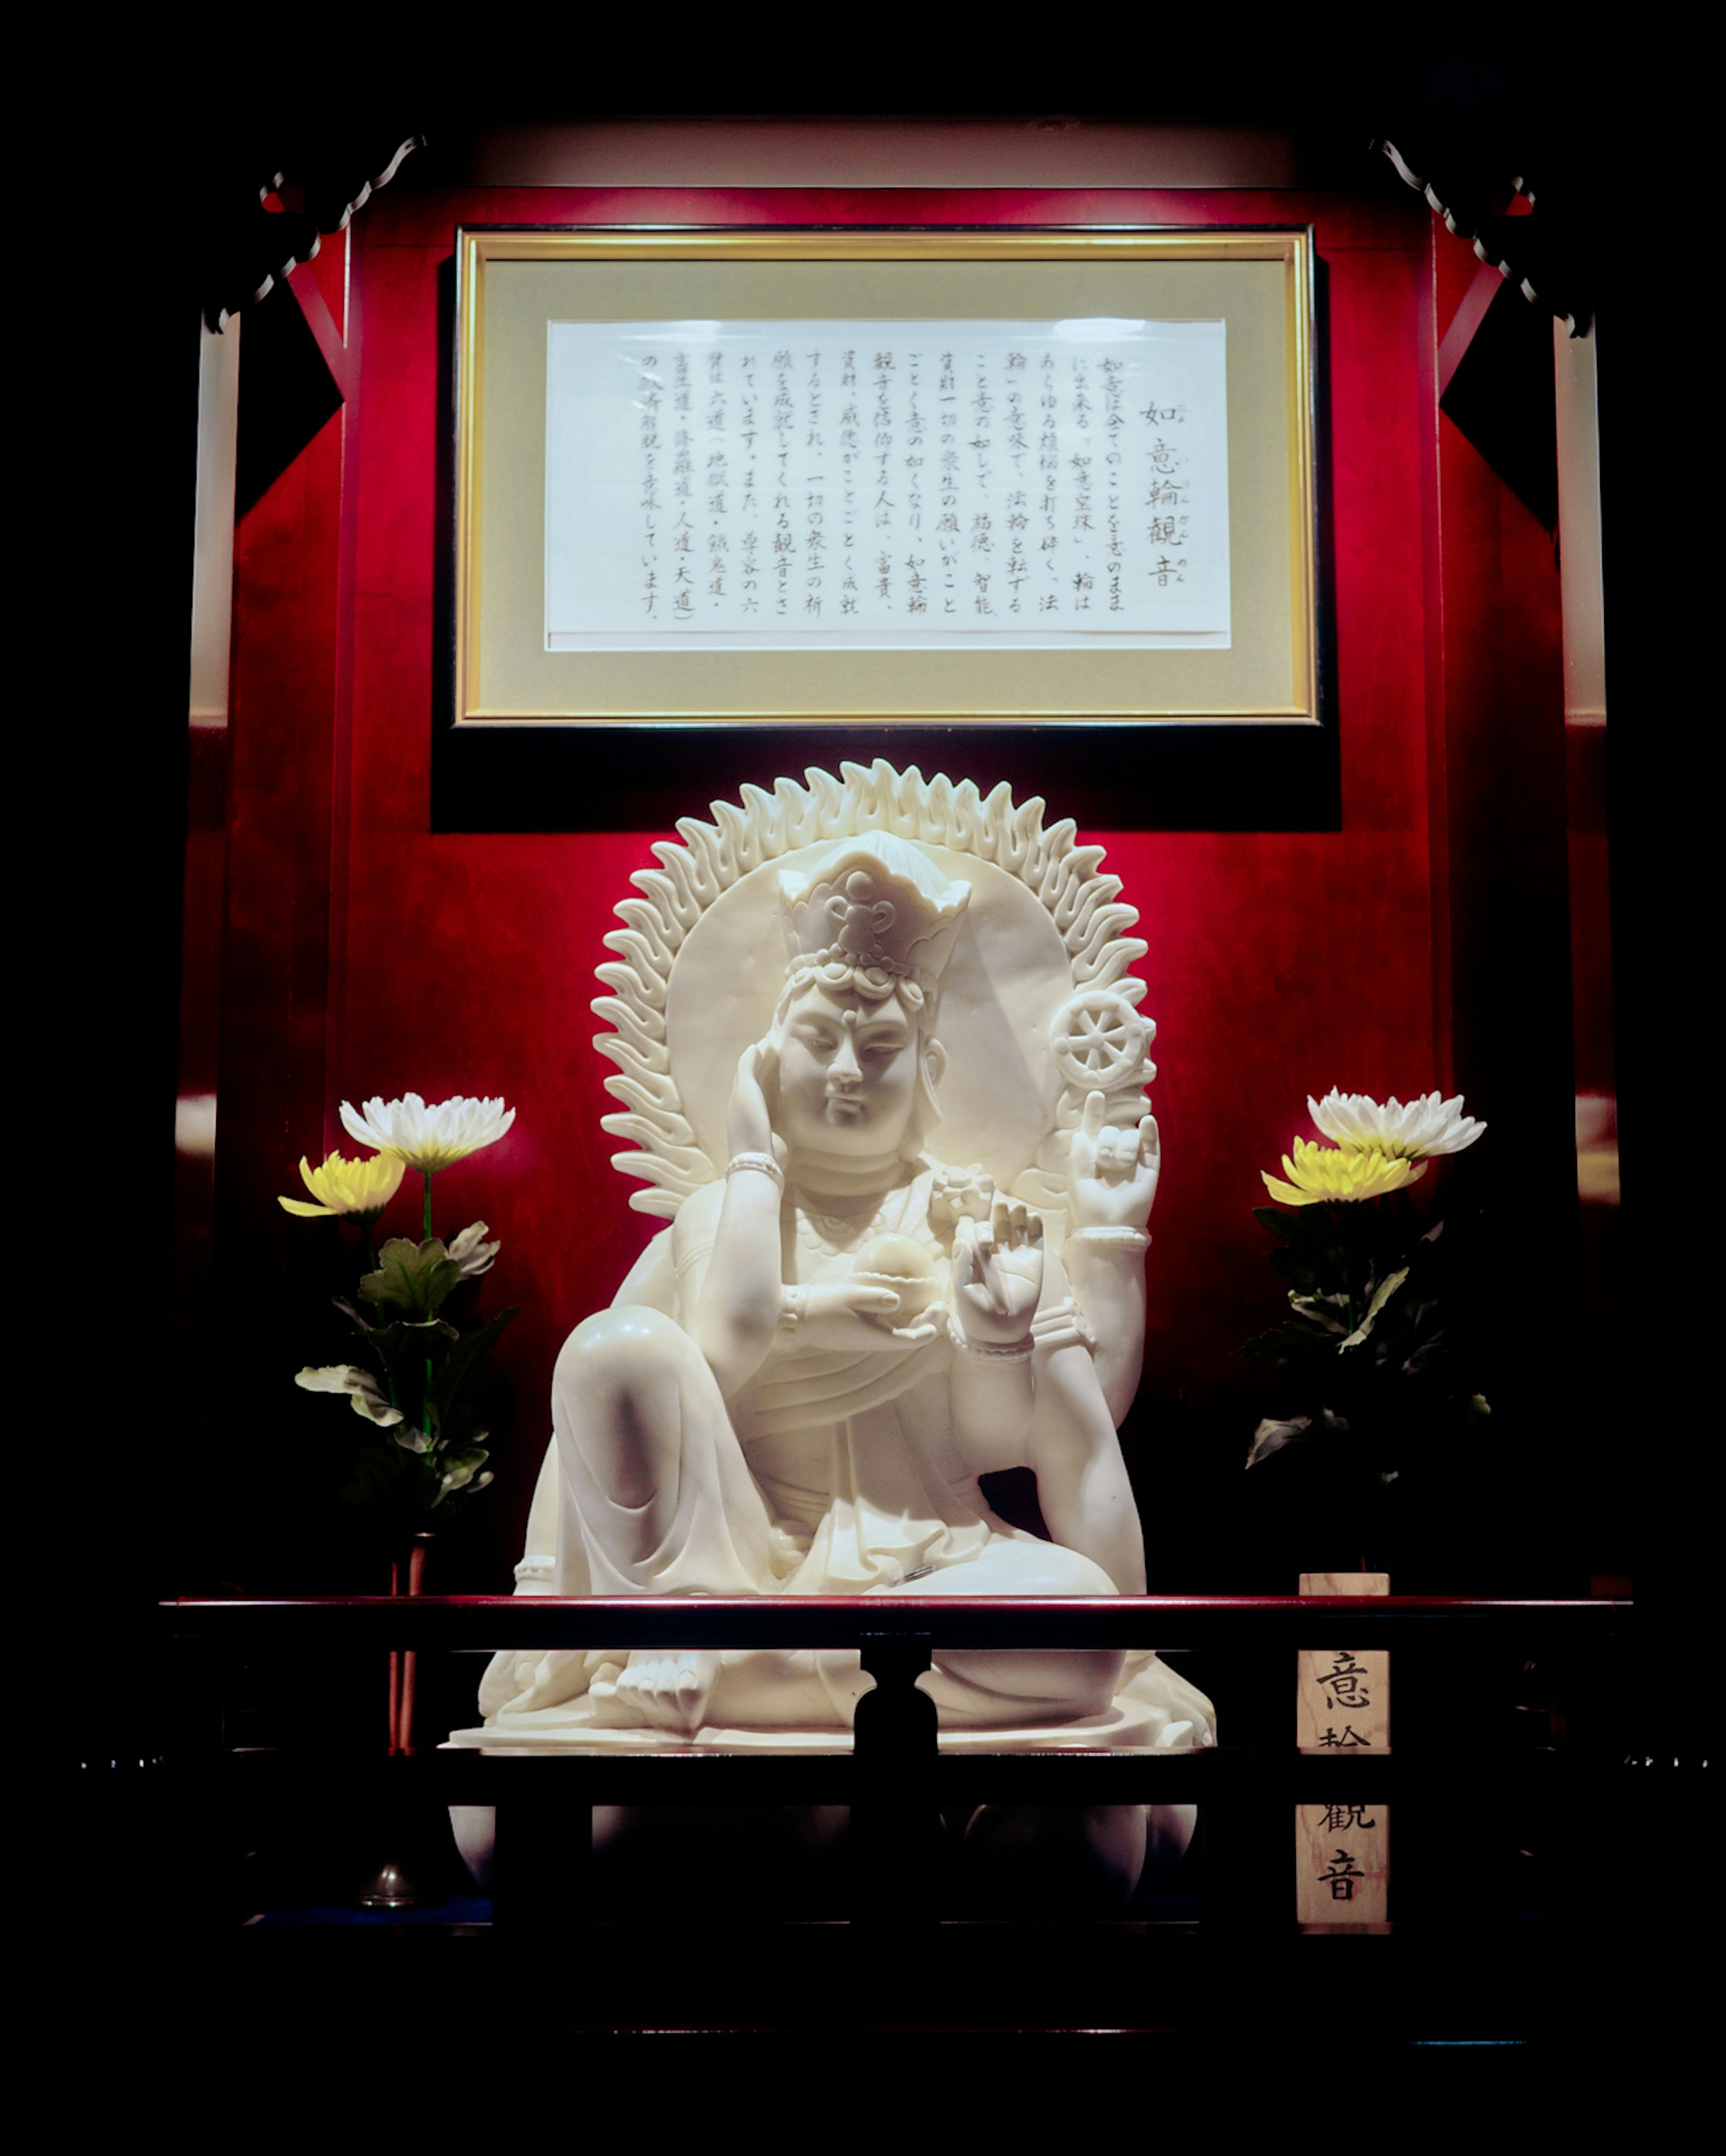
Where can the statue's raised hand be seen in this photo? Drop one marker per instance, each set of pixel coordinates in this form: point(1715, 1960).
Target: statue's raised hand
point(1113, 1172)
point(749, 1123)
point(997, 1274)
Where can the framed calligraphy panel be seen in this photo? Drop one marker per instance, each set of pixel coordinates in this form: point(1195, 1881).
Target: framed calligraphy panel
point(862, 478)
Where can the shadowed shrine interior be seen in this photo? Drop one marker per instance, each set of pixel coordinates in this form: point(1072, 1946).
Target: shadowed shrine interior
point(1409, 893)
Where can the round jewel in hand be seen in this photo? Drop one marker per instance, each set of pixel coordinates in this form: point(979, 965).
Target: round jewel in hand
point(897, 1263)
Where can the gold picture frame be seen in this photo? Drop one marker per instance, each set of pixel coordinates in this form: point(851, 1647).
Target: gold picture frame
point(510, 283)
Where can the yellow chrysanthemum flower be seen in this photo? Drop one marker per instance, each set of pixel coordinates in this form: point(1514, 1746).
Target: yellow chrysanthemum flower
point(1327, 1175)
point(341, 1186)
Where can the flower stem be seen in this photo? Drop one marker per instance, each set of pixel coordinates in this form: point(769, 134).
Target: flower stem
point(425, 1396)
point(1340, 1215)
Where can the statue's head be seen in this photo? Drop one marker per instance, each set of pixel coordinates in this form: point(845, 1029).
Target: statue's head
point(868, 930)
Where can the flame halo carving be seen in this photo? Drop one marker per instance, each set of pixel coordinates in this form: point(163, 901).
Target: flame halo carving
point(1066, 879)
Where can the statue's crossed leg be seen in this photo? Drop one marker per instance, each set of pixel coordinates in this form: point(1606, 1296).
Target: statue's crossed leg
point(657, 1491)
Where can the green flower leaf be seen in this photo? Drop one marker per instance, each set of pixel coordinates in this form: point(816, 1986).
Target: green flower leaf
point(1424, 1355)
point(1382, 1295)
point(459, 1470)
point(364, 1393)
point(469, 1349)
point(1291, 1343)
point(414, 1278)
point(380, 1478)
point(1271, 1436)
point(1327, 1312)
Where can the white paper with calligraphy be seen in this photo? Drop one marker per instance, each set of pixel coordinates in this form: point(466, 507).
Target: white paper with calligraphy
point(771, 485)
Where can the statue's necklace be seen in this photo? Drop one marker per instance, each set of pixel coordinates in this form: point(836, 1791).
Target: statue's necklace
point(831, 1233)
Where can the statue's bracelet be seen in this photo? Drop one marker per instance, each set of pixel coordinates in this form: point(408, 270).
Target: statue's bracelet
point(764, 1162)
point(990, 1351)
point(1123, 1239)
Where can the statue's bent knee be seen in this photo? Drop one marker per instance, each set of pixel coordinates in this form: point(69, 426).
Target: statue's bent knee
point(1020, 1684)
point(617, 1395)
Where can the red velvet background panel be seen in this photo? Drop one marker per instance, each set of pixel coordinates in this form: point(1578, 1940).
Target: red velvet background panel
point(367, 955)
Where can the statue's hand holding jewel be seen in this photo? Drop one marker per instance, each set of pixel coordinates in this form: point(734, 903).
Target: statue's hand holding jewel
point(850, 1315)
point(997, 1275)
point(1113, 1178)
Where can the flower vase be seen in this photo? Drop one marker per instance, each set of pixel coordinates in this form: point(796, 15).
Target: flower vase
point(403, 1666)
point(393, 1885)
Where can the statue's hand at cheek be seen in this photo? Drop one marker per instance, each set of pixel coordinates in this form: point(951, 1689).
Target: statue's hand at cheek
point(749, 1124)
point(1113, 1172)
point(997, 1275)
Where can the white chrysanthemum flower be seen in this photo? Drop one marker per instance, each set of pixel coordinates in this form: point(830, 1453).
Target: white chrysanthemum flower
point(472, 1252)
point(365, 1394)
point(1413, 1130)
point(428, 1139)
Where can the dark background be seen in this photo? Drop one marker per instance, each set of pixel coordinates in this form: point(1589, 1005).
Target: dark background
point(184, 1481)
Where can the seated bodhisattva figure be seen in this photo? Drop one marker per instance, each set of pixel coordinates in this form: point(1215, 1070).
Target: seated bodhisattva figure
point(877, 1046)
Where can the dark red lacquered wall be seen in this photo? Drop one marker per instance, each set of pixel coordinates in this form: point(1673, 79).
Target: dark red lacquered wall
point(366, 954)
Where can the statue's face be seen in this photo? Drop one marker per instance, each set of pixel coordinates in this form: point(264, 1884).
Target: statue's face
point(847, 1073)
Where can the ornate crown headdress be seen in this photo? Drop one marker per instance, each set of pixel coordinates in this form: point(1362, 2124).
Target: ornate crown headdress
point(857, 809)
point(876, 915)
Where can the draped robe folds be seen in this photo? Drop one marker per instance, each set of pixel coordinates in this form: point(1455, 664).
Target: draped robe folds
point(831, 1473)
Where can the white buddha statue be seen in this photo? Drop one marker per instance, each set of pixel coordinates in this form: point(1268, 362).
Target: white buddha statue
point(861, 1306)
